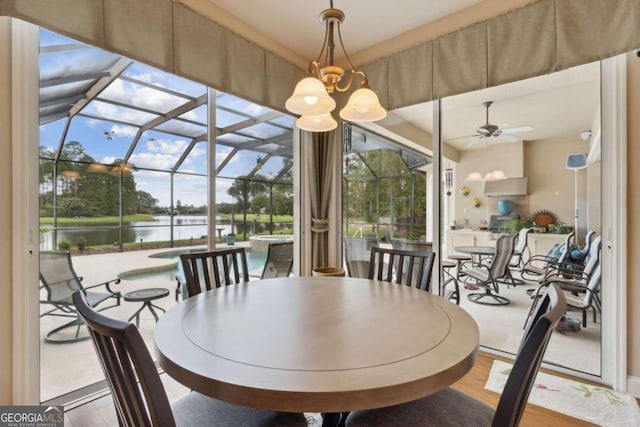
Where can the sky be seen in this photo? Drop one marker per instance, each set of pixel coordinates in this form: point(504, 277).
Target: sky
point(106, 141)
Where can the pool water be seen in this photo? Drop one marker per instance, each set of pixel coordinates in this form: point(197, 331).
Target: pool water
point(255, 261)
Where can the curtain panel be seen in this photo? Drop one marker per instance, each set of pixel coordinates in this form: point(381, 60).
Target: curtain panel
point(320, 167)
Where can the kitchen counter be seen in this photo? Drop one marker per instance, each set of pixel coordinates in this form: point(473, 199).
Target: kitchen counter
point(538, 243)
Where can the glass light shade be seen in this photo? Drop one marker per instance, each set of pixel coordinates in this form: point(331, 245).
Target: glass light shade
point(495, 175)
point(363, 106)
point(317, 123)
point(474, 176)
point(310, 97)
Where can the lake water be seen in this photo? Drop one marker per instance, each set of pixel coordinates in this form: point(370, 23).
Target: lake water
point(156, 230)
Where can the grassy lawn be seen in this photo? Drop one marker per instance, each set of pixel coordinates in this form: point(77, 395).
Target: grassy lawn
point(259, 217)
point(99, 220)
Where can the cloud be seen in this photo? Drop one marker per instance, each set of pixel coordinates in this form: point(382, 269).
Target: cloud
point(166, 146)
point(153, 160)
point(119, 130)
point(108, 160)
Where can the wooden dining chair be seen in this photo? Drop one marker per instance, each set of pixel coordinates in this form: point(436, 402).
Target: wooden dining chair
point(138, 394)
point(410, 268)
point(215, 269)
point(450, 407)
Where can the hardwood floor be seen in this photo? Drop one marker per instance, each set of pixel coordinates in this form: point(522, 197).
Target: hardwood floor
point(101, 413)
point(534, 416)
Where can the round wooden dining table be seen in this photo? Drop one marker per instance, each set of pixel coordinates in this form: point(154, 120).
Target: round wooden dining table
point(316, 344)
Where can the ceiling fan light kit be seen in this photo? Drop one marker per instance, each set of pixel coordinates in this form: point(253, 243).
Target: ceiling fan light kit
point(311, 97)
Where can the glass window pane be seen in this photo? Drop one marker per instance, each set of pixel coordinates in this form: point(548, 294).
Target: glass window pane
point(141, 96)
point(117, 113)
point(159, 78)
point(263, 131)
point(243, 106)
point(181, 127)
point(199, 115)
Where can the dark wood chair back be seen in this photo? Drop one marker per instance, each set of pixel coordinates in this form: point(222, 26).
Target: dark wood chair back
point(410, 268)
point(279, 260)
point(214, 269)
point(138, 393)
point(544, 318)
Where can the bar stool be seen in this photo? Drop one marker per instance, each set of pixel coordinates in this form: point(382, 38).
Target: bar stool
point(450, 277)
point(460, 259)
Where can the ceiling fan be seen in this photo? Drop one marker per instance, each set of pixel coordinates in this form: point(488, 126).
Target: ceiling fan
point(488, 130)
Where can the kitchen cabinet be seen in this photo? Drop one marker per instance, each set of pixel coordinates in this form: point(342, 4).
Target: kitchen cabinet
point(538, 243)
point(541, 243)
point(467, 238)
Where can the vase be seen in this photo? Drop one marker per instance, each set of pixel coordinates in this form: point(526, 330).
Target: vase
point(505, 207)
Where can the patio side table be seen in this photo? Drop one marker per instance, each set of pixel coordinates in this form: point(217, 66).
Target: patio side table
point(146, 296)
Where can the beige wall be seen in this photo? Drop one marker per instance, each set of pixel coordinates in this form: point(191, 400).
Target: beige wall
point(551, 185)
point(633, 214)
point(506, 157)
point(6, 324)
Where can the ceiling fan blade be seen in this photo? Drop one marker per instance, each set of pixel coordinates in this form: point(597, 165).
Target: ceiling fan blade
point(460, 137)
point(508, 138)
point(517, 129)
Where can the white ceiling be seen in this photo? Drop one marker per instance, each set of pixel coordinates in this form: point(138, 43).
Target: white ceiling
point(556, 105)
point(561, 104)
point(295, 23)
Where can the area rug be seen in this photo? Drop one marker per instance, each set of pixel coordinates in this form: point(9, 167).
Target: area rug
point(590, 403)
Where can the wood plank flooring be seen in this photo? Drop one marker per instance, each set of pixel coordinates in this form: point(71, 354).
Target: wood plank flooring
point(101, 413)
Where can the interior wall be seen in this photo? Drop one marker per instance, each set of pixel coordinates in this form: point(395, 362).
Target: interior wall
point(551, 185)
point(633, 215)
point(6, 323)
point(505, 157)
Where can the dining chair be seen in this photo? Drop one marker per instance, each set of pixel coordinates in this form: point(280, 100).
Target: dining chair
point(410, 268)
point(487, 277)
point(450, 407)
point(60, 281)
point(138, 393)
point(279, 260)
point(216, 268)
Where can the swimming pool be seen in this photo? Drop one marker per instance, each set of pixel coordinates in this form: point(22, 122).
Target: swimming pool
point(255, 263)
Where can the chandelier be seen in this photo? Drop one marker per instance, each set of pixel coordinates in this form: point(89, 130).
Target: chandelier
point(311, 99)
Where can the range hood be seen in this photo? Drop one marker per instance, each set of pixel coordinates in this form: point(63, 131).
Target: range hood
point(506, 187)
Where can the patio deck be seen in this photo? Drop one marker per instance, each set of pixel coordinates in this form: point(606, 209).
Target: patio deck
point(66, 367)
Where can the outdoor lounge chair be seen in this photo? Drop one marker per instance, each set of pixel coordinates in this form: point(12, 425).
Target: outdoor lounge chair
point(487, 277)
point(538, 267)
point(60, 281)
point(279, 260)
